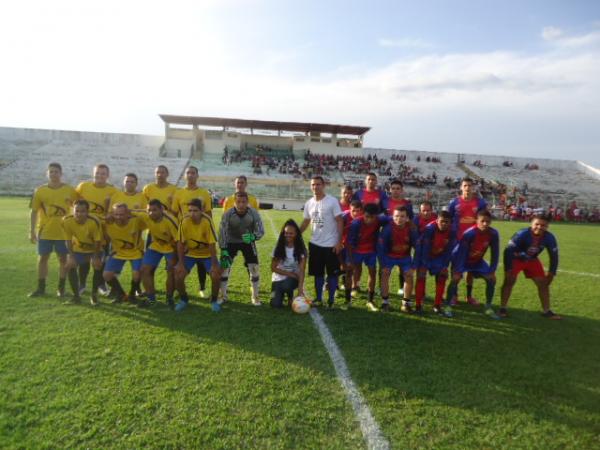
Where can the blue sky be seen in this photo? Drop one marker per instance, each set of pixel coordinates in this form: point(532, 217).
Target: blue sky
point(510, 78)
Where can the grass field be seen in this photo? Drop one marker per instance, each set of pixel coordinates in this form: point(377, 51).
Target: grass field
point(122, 377)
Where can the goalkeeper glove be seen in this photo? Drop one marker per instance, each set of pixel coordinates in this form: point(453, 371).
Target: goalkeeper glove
point(248, 238)
point(226, 260)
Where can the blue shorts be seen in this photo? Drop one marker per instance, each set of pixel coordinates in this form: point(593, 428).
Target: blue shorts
point(344, 258)
point(152, 257)
point(116, 265)
point(368, 259)
point(47, 246)
point(479, 269)
point(82, 258)
point(405, 264)
point(189, 262)
point(435, 266)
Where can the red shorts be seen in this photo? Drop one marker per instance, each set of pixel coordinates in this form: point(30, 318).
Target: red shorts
point(532, 268)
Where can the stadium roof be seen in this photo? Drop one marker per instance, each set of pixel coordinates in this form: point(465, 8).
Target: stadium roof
point(265, 124)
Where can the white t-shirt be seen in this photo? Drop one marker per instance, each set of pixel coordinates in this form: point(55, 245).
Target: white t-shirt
point(322, 214)
point(289, 264)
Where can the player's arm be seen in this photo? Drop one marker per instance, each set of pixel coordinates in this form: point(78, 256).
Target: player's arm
point(552, 247)
point(223, 231)
point(33, 216)
point(411, 213)
point(462, 251)
point(301, 272)
point(424, 246)
point(214, 262)
point(259, 229)
point(180, 266)
point(511, 250)
point(304, 225)
point(339, 220)
point(495, 249)
point(353, 235)
point(275, 262)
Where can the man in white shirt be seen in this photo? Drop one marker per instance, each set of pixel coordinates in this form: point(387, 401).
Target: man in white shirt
point(324, 214)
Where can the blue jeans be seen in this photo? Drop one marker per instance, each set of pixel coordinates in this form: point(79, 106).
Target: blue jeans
point(281, 288)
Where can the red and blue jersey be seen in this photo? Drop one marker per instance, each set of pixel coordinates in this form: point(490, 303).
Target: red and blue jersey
point(396, 241)
point(464, 213)
point(362, 237)
point(345, 207)
point(472, 248)
point(347, 220)
point(526, 246)
point(376, 197)
point(390, 205)
point(436, 244)
point(421, 223)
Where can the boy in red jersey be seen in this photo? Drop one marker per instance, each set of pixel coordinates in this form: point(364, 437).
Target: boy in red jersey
point(346, 198)
point(463, 210)
point(355, 211)
point(434, 252)
point(425, 216)
point(362, 241)
point(396, 241)
point(468, 256)
point(371, 193)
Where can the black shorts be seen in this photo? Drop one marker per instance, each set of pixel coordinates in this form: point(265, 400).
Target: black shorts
point(321, 258)
point(248, 252)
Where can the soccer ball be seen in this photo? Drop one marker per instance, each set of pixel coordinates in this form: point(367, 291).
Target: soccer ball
point(300, 305)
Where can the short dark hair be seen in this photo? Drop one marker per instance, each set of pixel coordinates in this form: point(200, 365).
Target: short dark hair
point(318, 177)
point(156, 202)
point(240, 195)
point(356, 204)
point(194, 168)
point(444, 215)
point(55, 165)
point(397, 181)
point(83, 203)
point(484, 213)
point(162, 167)
point(197, 203)
point(466, 180)
point(101, 166)
point(132, 175)
point(242, 177)
point(428, 203)
point(371, 209)
point(401, 209)
point(371, 174)
point(541, 216)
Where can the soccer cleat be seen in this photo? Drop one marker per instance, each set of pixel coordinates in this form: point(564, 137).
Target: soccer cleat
point(36, 293)
point(103, 291)
point(491, 314)
point(181, 306)
point(94, 300)
point(401, 292)
point(406, 307)
point(82, 289)
point(437, 309)
point(202, 293)
point(502, 312)
point(371, 306)
point(354, 293)
point(61, 294)
point(419, 310)
point(385, 307)
point(118, 299)
point(447, 312)
point(453, 301)
point(215, 306)
point(256, 302)
point(551, 315)
point(472, 301)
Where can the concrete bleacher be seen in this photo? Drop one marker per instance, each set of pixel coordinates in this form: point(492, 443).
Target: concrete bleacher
point(30, 151)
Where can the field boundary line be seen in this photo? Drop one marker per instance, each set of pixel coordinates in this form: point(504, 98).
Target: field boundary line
point(583, 274)
point(368, 425)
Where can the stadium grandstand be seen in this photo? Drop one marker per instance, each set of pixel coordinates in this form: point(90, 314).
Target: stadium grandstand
point(279, 157)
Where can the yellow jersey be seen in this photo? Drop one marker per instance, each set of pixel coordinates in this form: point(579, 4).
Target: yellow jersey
point(135, 202)
point(97, 197)
point(184, 195)
point(164, 233)
point(126, 240)
point(52, 205)
point(162, 194)
point(84, 236)
point(230, 202)
point(197, 237)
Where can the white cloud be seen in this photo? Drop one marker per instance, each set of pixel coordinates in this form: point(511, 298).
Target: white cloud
point(551, 33)
point(414, 43)
point(560, 39)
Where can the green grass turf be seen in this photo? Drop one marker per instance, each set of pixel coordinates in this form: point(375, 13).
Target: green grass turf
point(121, 377)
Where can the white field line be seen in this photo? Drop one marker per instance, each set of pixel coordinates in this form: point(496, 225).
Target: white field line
point(583, 274)
point(368, 426)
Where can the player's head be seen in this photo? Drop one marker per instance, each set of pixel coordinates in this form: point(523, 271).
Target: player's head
point(291, 232)
point(466, 187)
point(443, 220)
point(356, 209)
point(347, 193)
point(370, 213)
point(81, 208)
point(396, 189)
point(241, 202)
point(191, 175)
point(371, 181)
point(290, 236)
point(484, 219)
point(120, 212)
point(155, 209)
point(54, 172)
point(130, 182)
point(539, 223)
point(317, 185)
point(400, 215)
point(161, 173)
point(240, 183)
point(426, 209)
point(101, 173)
point(195, 209)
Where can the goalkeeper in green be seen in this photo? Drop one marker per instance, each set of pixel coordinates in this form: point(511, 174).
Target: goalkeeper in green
point(241, 226)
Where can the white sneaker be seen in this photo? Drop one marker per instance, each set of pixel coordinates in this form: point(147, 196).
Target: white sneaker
point(256, 302)
point(103, 291)
point(81, 289)
point(400, 291)
point(201, 293)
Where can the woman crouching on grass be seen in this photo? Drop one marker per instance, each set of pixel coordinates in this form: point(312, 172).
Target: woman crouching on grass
point(288, 264)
